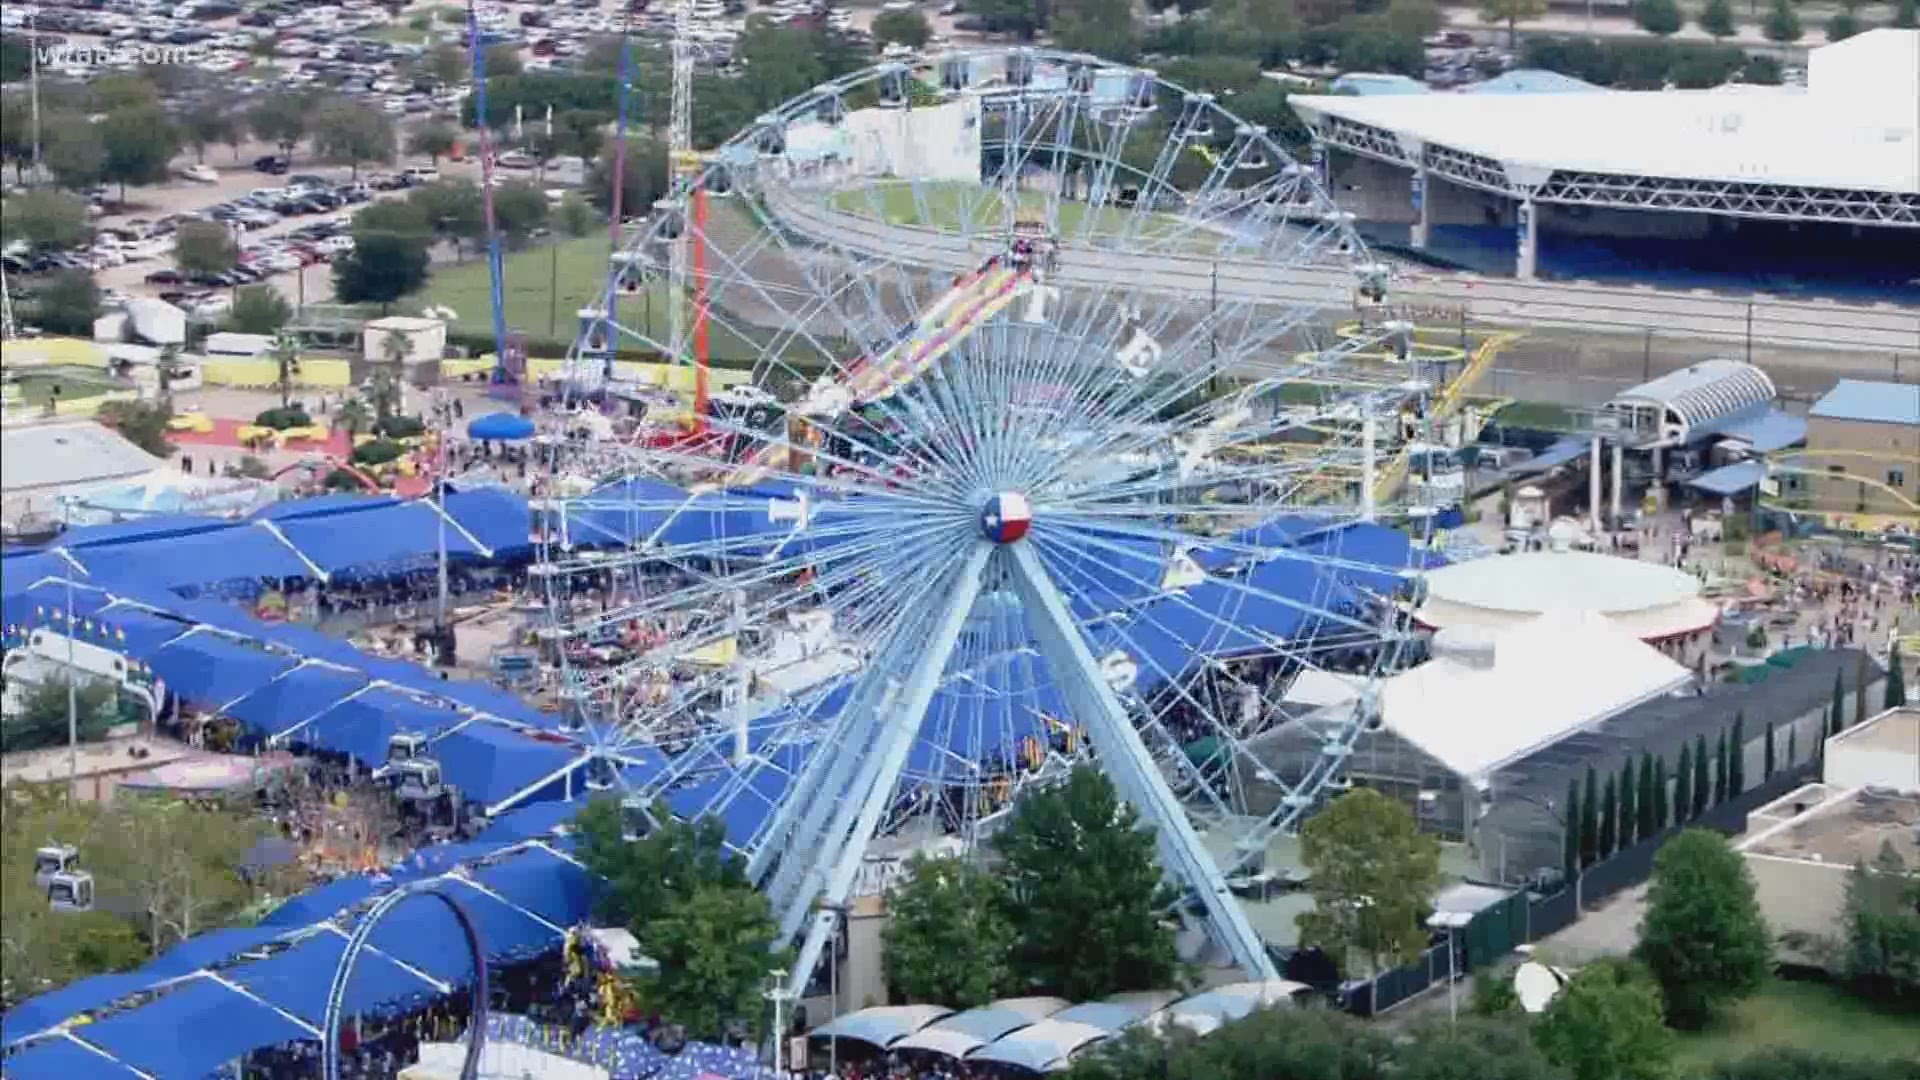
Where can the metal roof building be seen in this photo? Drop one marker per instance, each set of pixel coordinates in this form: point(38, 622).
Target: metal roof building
point(1866, 402)
point(1729, 398)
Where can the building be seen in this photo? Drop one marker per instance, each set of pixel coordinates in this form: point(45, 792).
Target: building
point(1883, 752)
point(1811, 188)
point(1800, 849)
point(39, 462)
point(1862, 454)
point(1658, 604)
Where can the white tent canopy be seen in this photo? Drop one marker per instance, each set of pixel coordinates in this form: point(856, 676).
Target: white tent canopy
point(1529, 686)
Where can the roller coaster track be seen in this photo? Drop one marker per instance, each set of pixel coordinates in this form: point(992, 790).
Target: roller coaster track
point(1817, 324)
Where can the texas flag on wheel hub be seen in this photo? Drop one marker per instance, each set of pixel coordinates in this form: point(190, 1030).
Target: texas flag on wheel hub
point(1006, 517)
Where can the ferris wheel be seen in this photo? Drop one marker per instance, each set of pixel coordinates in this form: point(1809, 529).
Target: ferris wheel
point(1038, 445)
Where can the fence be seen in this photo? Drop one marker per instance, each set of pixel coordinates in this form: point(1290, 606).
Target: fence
point(1527, 917)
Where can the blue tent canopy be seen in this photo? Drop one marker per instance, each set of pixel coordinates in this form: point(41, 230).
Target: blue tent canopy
point(63, 1058)
point(297, 979)
point(86, 995)
point(1391, 550)
point(500, 427)
point(130, 631)
point(342, 502)
point(197, 560)
point(294, 698)
point(531, 820)
point(322, 903)
point(556, 889)
point(20, 569)
point(491, 763)
point(193, 1029)
point(423, 934)
point(499, 519)
point(207, 950)
point(361, 725)
point(45, 603)
point(152, 527)
point(376, 540)
point(211, 670)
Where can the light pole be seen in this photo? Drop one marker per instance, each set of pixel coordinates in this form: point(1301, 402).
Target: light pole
point(1451, 921)
point(778, 993)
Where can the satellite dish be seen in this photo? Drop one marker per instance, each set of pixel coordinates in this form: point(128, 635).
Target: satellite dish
point(1536, 985)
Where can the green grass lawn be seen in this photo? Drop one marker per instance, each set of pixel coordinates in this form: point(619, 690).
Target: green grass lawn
point(952, 206)
point(36, 385)
point(401, 34)
point(1806, 1016)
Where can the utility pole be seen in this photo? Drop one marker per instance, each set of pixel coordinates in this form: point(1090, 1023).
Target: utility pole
point(33, 83)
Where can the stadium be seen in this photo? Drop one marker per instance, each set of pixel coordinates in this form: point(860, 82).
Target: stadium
point(1812, 190)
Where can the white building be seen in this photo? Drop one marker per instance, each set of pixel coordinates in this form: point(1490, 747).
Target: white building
point(1884, 752)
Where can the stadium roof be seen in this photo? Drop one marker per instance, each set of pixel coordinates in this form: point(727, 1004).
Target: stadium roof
point(1845, 149)
point(1863, 401)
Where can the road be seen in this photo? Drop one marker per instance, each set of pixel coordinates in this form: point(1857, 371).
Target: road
point(1883, 328)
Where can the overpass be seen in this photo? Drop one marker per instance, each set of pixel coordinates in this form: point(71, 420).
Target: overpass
point(1763, 320)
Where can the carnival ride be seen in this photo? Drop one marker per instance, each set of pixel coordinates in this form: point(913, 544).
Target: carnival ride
point(1025, 531)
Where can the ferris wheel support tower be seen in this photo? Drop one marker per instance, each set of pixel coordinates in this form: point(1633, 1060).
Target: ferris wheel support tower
point(687, 277)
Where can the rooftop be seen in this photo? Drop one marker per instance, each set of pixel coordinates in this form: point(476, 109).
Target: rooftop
point(1897, 730)
point(37, 456)
point(1847, 829)
point(1535, 581)
point(1862, 401)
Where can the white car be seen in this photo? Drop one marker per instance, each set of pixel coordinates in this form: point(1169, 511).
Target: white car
point(200, 174)
point(516, 159)
point(335, 245)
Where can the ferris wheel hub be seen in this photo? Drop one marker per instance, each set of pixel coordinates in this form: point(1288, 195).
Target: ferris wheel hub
point(1006, 517)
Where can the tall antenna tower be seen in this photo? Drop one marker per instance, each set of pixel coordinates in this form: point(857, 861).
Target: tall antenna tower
point(690, 202)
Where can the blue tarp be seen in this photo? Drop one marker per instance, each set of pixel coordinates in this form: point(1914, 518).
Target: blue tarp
point(196, 1028)
point(1559, 453)
point(376, 541)
point(200, 560)
point(491, 763)
point(342, 502)
point(209, 670)
point(43, 1012)
point(1768, 432)
point(133, 631)
point(1730, 480)
point(297, 696)
point(556, 889)
point(1281, 530)
point(1375, 545)
point(499, 519)
point(299, 978)
point(322, 903)
point(62, 1058)
point(45, 603)
point(421, 932)
point(18, 570)
point(531, 820)
point(154, 527)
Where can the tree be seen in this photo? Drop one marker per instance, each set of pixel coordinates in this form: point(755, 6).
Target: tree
point(1906, 15)
point(1493, 993)
point(453, 209)
point(281, 118)
point(1373, 875)
point(207, 123)
point(167, 370)
point(349, 133)
point(1766, 762)
point(518, 209)
point(204, 247)
point(1609, 819)
point(124, 92)
point(16, 133)
point(434, 140)
point(1282, 1044)
point(642, 181)
point(1660, 17)
point(1605, 1025)
point(1102, 27)
point(1628, 831)
point(909, 28)
point(1782, 24)
point(1570, 832)
point(381, 268)
point(258, 309)
point(68, 303)
point(353, 417)
point(948, 940)
point(383, 393)
point(1737, 756)
point(1590, 820)
point(1789, 1063)
point(46, 218)
point(1702, 935)
point(1721, 769)
point(1646, 824)
point(1661, 818)
point(501, 61)
point(446, 64)
point(1894, 691)
point(714, 949)
point(286, 366)
point(1843, 25)
point(1702, 778)
point(140, 142)
point(74, 152)
point(1475, 1048)
point(1880, 927)
point(1717, 20)
point(1683, 788)
point(43, 719)
point(1511, 12)
point(1074, 849)
point(574, 217)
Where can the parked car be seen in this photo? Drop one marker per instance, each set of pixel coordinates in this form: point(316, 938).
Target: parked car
point(272, 165)
point(200, 174)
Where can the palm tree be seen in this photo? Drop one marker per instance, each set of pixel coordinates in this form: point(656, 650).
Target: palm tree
point(395, 347)
point(286, 358)
point(168, 368)
point(353, 416)
point(384, 393)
